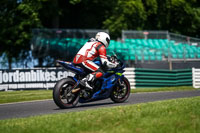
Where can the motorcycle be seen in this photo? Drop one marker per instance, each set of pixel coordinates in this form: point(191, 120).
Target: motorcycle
point(113, 84)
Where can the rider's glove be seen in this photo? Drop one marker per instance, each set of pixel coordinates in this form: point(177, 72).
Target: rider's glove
point(117, 64)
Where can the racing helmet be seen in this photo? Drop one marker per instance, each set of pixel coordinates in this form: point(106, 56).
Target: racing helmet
point(103, 38)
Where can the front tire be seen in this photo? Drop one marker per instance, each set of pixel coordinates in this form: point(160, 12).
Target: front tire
point(62, 95)
point(119, 93)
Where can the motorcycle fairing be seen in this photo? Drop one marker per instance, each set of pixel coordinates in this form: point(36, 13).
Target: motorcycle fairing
point(71, 66)
point(109, 80)
point(107, 86)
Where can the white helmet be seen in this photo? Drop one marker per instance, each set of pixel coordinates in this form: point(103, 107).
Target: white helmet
point(103, 38)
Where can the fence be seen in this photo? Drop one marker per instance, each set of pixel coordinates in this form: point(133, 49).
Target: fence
point(66, 33)
point(159, 78)
point(184, 39)
point(30, 79)
point(159, 35)
point(130, 75)
point(60, 43)
point(147, 46)
point(196, 77)
point(145, 34)
point(41, 78)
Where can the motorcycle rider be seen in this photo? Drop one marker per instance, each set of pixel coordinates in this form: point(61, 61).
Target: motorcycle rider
point(95, 47)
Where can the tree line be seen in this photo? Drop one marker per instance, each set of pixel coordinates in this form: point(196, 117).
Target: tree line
point(19, 17)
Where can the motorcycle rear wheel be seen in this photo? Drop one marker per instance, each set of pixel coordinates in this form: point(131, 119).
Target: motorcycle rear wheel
point(120, 94)
point(62, 95)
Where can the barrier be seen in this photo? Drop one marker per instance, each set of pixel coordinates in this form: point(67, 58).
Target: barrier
point(163, 78)
point(29, 79)
point(41, 78)
point(196, 77)
point(158, 77)
point(130, 75)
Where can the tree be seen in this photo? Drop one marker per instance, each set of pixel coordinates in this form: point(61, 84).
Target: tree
point(50, 13)
point(16, 21)
point(127, 14)
point(84, 14)
point(179, 16)
point(151, 10)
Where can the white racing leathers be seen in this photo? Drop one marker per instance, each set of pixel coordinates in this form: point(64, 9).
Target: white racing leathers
point(89, 52)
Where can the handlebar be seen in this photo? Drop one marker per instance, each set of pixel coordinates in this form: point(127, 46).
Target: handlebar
point(114, 59)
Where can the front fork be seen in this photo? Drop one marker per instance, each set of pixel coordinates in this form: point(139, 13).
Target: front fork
point(121, 85)
point(119, 81)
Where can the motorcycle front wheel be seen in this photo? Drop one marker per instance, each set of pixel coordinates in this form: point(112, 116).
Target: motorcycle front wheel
point(121, 91)
point(62, 95)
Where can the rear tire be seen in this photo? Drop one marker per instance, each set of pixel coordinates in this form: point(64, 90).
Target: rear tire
point(62, 95)
point(121, 94)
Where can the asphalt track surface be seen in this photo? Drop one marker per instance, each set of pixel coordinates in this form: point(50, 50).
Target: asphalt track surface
point(26, 109)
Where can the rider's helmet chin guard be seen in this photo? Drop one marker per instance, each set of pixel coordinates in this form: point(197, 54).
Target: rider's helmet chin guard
point(103, 38)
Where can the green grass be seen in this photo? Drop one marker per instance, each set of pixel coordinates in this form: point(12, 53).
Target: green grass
point(172, 116)
point(177, 88)
point(19, 96)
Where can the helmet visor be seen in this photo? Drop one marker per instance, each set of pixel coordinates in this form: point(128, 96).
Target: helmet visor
point(108, 40)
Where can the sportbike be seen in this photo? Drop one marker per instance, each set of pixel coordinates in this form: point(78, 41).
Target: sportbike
point(113, 84)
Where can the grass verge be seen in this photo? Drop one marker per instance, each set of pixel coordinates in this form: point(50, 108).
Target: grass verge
point(171, 116)
point(177, 88)
point(19, 96)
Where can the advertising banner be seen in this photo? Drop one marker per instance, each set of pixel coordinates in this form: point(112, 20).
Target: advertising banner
point(30, 79)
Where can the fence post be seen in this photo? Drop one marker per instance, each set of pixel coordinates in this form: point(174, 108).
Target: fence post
point(130, 75)
point(193, 77)
point(196, 77)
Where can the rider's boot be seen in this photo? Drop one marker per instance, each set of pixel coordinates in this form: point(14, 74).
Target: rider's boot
point(87, 81)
